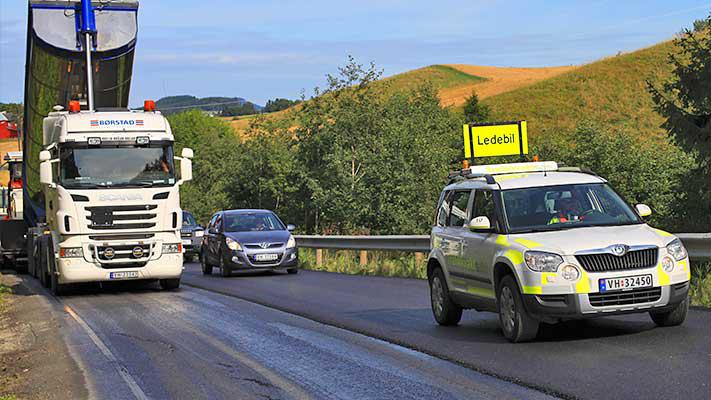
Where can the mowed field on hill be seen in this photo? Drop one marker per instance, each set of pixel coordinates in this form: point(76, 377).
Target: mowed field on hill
point(5, 146)
point(612, 92)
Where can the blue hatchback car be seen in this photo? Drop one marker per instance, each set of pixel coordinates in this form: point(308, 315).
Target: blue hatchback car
point(248, 240)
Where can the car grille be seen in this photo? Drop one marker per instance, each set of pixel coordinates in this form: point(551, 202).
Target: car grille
point(634, 259)
point(111, 217)
point(635, 296)
point(259, 245)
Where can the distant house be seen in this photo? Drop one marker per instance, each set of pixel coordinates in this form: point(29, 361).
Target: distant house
point(7, 129)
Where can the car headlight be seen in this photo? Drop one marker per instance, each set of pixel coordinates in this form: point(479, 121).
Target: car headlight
point(540, 261)
point(677, 250)
point(172, 248)
point(199, 233)
point(71, 252)
point(291, 243)
point(232, 244)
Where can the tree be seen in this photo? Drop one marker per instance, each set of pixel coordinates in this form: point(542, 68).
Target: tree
point(246, 108)
point(474, 111)
point(279, 104)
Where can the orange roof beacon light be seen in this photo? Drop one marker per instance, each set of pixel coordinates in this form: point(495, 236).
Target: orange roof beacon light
point(74, 106)
point(149, 105)
point(536, 158)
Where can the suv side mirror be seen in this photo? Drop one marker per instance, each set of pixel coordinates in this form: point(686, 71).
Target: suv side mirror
point(480, 224)
point(290, 227)
point(643, 210)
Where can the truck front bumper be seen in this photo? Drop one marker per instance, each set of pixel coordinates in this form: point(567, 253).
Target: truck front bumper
point(76, 270)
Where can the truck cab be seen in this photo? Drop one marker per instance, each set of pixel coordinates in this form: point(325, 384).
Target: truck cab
point(111, 198)
point(540, 243)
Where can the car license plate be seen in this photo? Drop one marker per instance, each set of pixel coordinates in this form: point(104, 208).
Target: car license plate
point(266, 257)
point(187, 242)
point(626, 283)
point(124, 275)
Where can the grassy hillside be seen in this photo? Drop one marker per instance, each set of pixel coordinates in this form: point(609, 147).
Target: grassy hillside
point(612, 91)
point(439, 76)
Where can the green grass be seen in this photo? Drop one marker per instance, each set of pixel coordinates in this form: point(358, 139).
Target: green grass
point(701, 284)
point(439, 76)
point(8, 397)
point(612, 91)
point(4, 291)
point(380, 263)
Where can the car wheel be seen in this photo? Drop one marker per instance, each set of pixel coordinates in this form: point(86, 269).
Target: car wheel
point(674, 317)
point(445, 311)
point(169, 284)
point(224, 271)
point(292, 271)
point(516, 323)
point(206, 268)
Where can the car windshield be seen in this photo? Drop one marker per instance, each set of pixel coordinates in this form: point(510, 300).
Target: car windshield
point(116, 166)
point(245, 222)
point(188, 219)
point(563, 207)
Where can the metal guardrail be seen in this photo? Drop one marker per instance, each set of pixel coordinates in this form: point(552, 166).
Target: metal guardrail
point(697, 244)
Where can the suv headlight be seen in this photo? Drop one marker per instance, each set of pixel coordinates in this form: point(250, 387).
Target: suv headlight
point(172, 248)
point(677, 250)
point(541, 261)
point(199, 233)
point(291, 243)
point(232, 244)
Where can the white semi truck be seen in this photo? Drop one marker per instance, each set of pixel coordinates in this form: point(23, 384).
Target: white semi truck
point(101, 187)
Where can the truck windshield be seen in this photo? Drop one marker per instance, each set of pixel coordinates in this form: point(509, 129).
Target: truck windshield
point(563, 207)
point(125, 166)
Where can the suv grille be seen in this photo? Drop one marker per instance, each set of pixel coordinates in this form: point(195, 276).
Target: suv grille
point(635, 296)
point(635, 259)
point(105, 218)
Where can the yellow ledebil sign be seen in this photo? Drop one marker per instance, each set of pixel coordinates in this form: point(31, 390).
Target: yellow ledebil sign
point(497, 139)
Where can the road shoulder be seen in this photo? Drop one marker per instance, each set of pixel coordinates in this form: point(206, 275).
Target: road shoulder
point(35, 362)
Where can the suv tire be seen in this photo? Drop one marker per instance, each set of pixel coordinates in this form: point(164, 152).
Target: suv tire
point(445, 311)
point(674, 317)
point(516, 324)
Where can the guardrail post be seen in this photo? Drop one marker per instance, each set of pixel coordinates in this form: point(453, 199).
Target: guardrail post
point(363, 258)
point(319, 257)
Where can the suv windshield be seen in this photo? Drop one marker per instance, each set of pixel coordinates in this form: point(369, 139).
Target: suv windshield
point(188, 219)
point(564, 207)
point(244, 222)
point(116, 166)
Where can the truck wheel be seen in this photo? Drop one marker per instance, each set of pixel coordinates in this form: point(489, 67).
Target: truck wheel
point(169, 284)
point(674, 317)
point(224, 271)
point(516, 323)
point(445, 311)
point(54, 285)
point(206, 268)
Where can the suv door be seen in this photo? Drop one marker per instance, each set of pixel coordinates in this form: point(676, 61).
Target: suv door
point(455, 236)
point(209, 240)
point(481, 245)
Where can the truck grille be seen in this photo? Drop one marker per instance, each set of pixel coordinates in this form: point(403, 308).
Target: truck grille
point(635, 296)
point(113, 217)
point(634, 259)
point(128, 252)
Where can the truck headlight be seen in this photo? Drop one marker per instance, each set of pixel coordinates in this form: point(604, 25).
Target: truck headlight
point(677, 250)
point(199, 233)
point(172, 248)
point(291, 243)
point(232, 244)
point(71, 252)
point(541, 261)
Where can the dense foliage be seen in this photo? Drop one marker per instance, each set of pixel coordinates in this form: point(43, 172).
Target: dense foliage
point(279, 104)
point(246, 108)
point(475, 112)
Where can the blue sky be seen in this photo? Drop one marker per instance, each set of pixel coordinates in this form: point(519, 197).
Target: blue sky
point(266, 49)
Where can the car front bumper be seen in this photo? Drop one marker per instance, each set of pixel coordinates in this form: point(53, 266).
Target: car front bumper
point(240, 260)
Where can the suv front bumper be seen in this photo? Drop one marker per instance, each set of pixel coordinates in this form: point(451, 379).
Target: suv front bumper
point(578, 306)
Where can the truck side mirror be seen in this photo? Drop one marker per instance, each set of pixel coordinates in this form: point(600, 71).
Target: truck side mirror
point(187, 153)
point(480, 224)
point(186, 165)
point(46, 168)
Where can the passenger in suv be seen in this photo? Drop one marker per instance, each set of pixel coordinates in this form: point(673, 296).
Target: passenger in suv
point(248, 240)
point(537, 243)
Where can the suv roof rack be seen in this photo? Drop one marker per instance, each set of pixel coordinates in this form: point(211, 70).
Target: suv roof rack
point(578, 169)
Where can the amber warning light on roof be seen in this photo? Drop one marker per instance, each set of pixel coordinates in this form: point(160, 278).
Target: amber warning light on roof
point(496, 139)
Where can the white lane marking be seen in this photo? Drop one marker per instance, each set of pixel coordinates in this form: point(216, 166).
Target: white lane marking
point(132, 384)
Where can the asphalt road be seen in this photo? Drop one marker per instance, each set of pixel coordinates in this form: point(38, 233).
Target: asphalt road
point(624, 357)
point(133, 341)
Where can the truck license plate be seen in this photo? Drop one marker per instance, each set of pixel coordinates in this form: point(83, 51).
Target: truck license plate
point(266, 257)
point(124, 275)
point(626, 283)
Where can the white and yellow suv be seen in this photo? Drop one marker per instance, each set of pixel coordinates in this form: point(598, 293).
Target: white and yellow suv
point(538, 243)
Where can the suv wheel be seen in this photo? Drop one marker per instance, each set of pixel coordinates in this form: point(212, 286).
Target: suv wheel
point(674, 317)
point(206, 268)
point(445, 311)
point(516, 323)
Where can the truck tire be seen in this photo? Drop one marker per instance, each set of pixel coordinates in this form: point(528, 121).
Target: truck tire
point(516, 324)
point(54, 285)
point(43, 273)
point(445, 311)
point(169, 284)
point(206, 268)
point(674, 317)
